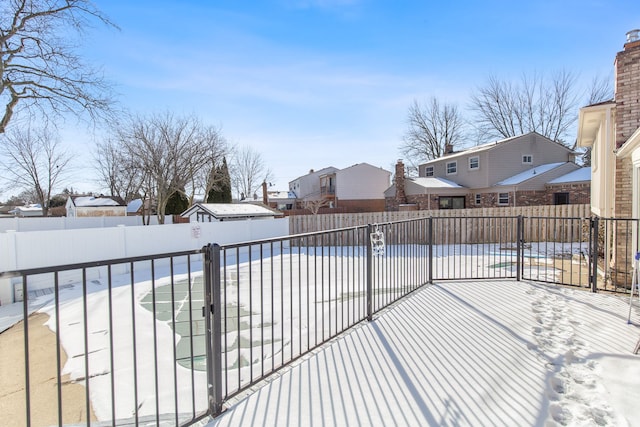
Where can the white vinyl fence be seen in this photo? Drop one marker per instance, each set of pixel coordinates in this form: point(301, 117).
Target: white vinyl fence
point(68, 223)
point(25, 250)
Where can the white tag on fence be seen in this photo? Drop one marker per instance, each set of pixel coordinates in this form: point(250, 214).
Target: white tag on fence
point(377, 241)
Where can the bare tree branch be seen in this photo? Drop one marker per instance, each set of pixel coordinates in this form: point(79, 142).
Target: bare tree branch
point(248, 172)
point(535, 104)
point(314, 205)
point(169, 151)
point(122, 175)
point(34, 161)
point(39, 69)
point(430, 127)
point(601, 90)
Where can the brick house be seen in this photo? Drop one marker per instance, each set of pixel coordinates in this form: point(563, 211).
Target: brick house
point(517, 171)
point(612, 131)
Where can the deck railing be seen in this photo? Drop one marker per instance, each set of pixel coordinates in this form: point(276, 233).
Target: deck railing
point(168, 339)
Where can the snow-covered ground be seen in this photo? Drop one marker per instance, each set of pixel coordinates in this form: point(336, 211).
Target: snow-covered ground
point(473, 353)
point(464, 353)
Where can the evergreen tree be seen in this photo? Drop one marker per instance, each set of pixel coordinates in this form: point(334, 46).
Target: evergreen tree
point(177, 203)
point(220, 191)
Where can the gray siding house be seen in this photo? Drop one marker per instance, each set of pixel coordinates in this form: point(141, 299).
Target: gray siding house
point(510, 172)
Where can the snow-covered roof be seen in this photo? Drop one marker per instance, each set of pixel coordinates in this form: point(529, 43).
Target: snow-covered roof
point(134, 205)
point(530, 173)
point(582, 174)
point(482, 147)
point(230, 210)
point(433, 182)
point(474, 149)
point(34, 207)
point(90, 201)
point(364, 164)
point(278, 195)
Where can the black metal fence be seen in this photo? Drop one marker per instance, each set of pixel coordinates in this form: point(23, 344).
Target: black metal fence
point(168, 339)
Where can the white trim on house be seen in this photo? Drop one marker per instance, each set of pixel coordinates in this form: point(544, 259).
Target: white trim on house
point(452, 170)
point(631, 148)
point(474, 162)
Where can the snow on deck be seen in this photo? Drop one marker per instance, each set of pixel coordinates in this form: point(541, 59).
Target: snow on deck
point(483, 353)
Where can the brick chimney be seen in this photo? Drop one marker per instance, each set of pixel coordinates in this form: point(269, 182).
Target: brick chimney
point(448, 149)
point(265, 196)
point(627, 87)
point(627, 120)
point(401, 197)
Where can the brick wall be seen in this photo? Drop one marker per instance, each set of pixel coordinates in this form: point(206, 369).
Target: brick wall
point(627, 120)
point(579, 193)
point(355, 206)
point(627, 95)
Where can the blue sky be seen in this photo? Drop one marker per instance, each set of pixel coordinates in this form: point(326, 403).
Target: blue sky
point(316, 83)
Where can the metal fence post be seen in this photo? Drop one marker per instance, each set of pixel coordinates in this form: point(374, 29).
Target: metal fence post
point(519, 246)
point(595, 227)
point(430, 240)
point(369, 273)
point(212, 312)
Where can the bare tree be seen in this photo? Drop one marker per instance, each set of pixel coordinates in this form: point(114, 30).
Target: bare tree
point(314, 205)
point(34, 161)
point(431, 127)
point(600, 90)
point(206, 178)
point(169, 150)
point(535, 103)
point(248, 172)
point(122, 175)
point(39, 68)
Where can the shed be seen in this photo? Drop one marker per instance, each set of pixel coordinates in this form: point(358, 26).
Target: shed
point(211, 212)
point(34, 209)
point(83, 206)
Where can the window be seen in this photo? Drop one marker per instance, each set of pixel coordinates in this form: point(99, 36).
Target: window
point(428, 171)
point(478, 199)
point(452, 168)
point(503, 198)
point(474, 162)
point(561, 198)
point(527, 159)
point(453, 202)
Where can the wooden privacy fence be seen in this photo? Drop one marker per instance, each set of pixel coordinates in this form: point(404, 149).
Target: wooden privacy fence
point(551, 223)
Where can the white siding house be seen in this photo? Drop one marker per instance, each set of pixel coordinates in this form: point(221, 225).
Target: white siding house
point(361, 182)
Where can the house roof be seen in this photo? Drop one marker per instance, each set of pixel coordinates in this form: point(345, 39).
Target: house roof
point(589, 120)
point(134, 205)
point(328, 169)
point(364, 164)
point(485, 147)
point(281, 195)
point(474, 149)
point(91, 201)
point(530, 173)
point(609, 101)
point(580, 175)
point(231, 210)
point(434, 182)
point(34, 207)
